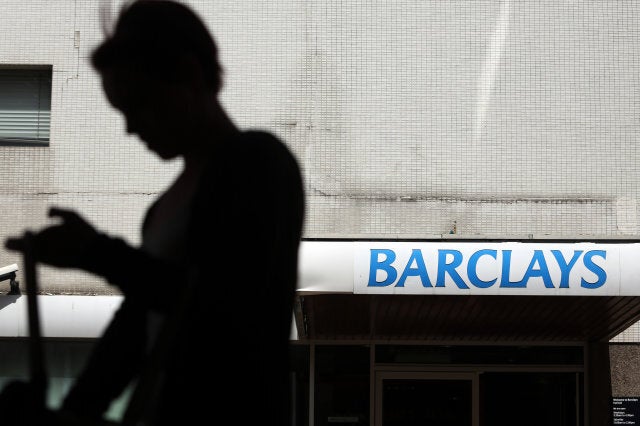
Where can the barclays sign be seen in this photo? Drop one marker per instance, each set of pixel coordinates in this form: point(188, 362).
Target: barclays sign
point(509, 268)
point(449, 268)
point(479, 268)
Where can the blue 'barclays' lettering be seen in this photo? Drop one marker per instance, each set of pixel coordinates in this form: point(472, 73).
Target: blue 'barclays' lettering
point(472, 268)
point(450, 260)
point(420, 270)
point(450, 268)
point(375, 264)
point(596, 269)
point(541, 271)
point(565, 267)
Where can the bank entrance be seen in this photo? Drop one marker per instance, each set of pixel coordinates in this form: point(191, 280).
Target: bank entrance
point(382, 384)
point(423, 398)
point(458, 332)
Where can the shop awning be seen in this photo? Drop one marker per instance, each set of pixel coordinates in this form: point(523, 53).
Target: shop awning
point(465, 318)
point(484, 291)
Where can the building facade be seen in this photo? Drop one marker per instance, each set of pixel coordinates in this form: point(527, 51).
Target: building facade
point(425, 122)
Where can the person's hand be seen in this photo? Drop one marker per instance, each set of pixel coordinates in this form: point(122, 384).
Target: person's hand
point(61, 245)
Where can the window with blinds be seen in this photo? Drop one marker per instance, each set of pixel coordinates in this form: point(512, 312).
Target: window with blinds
point(25, 106)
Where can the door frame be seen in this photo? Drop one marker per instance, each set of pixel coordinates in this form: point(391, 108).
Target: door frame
point(381, 375)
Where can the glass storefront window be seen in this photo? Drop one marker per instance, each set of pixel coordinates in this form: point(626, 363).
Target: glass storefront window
point(342, 385)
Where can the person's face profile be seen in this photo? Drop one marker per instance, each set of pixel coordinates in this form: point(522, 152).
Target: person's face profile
point(155, 110)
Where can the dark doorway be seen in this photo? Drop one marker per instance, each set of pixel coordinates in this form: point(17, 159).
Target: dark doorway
point(435, 399)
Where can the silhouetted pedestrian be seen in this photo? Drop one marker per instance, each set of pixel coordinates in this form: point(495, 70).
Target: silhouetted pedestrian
point(203, 330)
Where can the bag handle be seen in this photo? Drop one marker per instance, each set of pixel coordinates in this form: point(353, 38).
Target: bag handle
point(37, 370)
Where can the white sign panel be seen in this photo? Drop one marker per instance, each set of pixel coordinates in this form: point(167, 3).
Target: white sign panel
point(510, 268)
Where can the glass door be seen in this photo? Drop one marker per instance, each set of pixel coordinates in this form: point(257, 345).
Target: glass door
point(404, 398)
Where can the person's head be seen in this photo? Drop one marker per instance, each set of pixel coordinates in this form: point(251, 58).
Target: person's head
point(160, 69)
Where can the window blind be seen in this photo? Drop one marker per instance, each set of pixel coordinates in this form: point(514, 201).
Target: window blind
point(25, 105)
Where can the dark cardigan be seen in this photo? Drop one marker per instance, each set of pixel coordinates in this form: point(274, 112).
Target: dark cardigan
point(229, 360)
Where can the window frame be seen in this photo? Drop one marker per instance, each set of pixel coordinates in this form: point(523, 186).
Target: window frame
point(32, 142)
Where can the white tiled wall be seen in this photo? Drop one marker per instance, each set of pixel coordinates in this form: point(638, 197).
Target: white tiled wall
point(509, 118)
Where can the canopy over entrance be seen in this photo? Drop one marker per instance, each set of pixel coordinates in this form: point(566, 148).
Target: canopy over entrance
point(442, 291)
point(464, 318)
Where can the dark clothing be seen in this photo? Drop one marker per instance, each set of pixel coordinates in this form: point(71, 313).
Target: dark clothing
point(228, 363)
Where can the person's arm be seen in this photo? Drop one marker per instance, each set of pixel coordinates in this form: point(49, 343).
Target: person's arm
point(153, 282)
point(74, 243)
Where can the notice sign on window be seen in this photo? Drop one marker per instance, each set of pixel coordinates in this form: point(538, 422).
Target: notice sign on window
point(626, 410)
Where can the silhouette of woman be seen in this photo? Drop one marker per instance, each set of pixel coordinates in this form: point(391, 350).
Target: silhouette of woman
point(204, 326)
